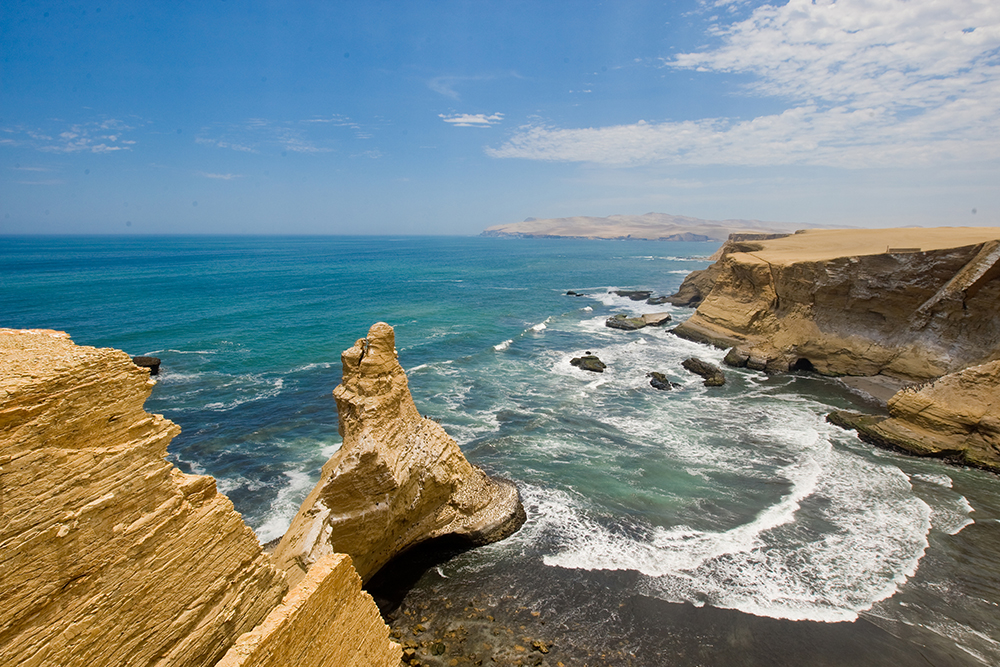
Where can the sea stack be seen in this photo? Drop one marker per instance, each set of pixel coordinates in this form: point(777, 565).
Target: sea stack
point(109, 555)
point(397, 480)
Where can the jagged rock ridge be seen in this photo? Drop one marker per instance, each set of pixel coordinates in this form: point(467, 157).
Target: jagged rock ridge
point(398, 478)
point(110, 556)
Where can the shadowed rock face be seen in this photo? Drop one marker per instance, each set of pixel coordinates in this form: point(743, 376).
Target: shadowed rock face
point(398, 479)
point(956, 417)
point(841, 303)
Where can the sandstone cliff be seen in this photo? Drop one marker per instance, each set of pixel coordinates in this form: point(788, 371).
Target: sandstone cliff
point(909, 303)
point(956, 417)
point(109, 555)
point(326, 621)
point(398, 478)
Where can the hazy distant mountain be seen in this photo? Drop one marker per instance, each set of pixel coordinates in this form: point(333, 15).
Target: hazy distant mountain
point(656, 226)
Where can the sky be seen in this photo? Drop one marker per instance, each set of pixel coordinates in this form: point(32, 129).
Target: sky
point(240, 117)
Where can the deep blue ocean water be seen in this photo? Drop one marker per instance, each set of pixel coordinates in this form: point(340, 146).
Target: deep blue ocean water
point(714, 526)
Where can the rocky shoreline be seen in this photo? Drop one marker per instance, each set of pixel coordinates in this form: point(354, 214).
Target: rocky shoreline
point(132, 548)
point(859, 305)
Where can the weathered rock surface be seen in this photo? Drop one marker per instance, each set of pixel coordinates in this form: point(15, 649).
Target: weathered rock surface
point(109, 555)
point(588, 362)
point(841, 302)
point(626, 323)
point(955, 417)
point(397, 480)
point(291, 635)
point(712, 373)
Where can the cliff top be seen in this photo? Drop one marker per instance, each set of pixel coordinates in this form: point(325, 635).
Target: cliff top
point(814, 245)
point(29, 354)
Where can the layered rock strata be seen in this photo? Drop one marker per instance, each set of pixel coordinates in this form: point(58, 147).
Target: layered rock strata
point(310, 625)
point(109, 555)
point(956, 417)
point(398, 478)
point(909, 303)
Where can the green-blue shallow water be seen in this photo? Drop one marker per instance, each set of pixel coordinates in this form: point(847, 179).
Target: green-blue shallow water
point(647, 510)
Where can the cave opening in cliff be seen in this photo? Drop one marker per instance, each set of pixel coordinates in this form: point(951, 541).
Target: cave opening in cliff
point(394, 580)
point(803, 364)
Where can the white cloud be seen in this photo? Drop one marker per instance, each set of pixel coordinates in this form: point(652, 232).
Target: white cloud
point(866, 82)
point(472, 120)
point(223, 177)
point(102, 136)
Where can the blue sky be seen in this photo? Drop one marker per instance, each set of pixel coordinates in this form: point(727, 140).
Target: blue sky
point(447, 117)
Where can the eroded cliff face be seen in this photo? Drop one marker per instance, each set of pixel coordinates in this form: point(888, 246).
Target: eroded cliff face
point(325, 621)
point(398, 478)
point(108, 554)
point(842, 303)
point(956, 417)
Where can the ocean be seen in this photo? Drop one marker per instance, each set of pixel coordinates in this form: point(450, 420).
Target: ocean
point(698, 526)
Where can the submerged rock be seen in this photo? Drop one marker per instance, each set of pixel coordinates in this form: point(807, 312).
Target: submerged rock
point(657, 300)
point(397, 480)
point(634, 295)
point(588, 362)
point(712, 373)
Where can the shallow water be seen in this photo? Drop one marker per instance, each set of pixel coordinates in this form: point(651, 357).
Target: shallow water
point(727, 525)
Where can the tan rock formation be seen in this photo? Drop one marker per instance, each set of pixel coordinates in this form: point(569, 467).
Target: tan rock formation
point(108, 554)
point(311, 624)
point(398, 478)
point(955, 417)
point(909, 303)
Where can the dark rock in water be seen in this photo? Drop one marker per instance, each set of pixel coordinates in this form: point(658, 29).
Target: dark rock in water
point(712, 373)
point(660, 381)
point(151, 363)
point(657, 300)
point(623, 321)
point(588, 362)
point(572, 293)
point(635, 295)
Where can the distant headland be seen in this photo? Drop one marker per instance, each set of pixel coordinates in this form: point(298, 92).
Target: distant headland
point(650, 226)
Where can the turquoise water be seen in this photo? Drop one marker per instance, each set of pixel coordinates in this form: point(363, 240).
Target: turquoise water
point(658, 521)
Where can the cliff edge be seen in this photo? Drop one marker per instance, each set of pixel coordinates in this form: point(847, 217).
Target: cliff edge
point(956, 417)
point(913, 304)
point(109, 555)
point(397, 480)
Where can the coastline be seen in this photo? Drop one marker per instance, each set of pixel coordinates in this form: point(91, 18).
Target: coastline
point(585, 557)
